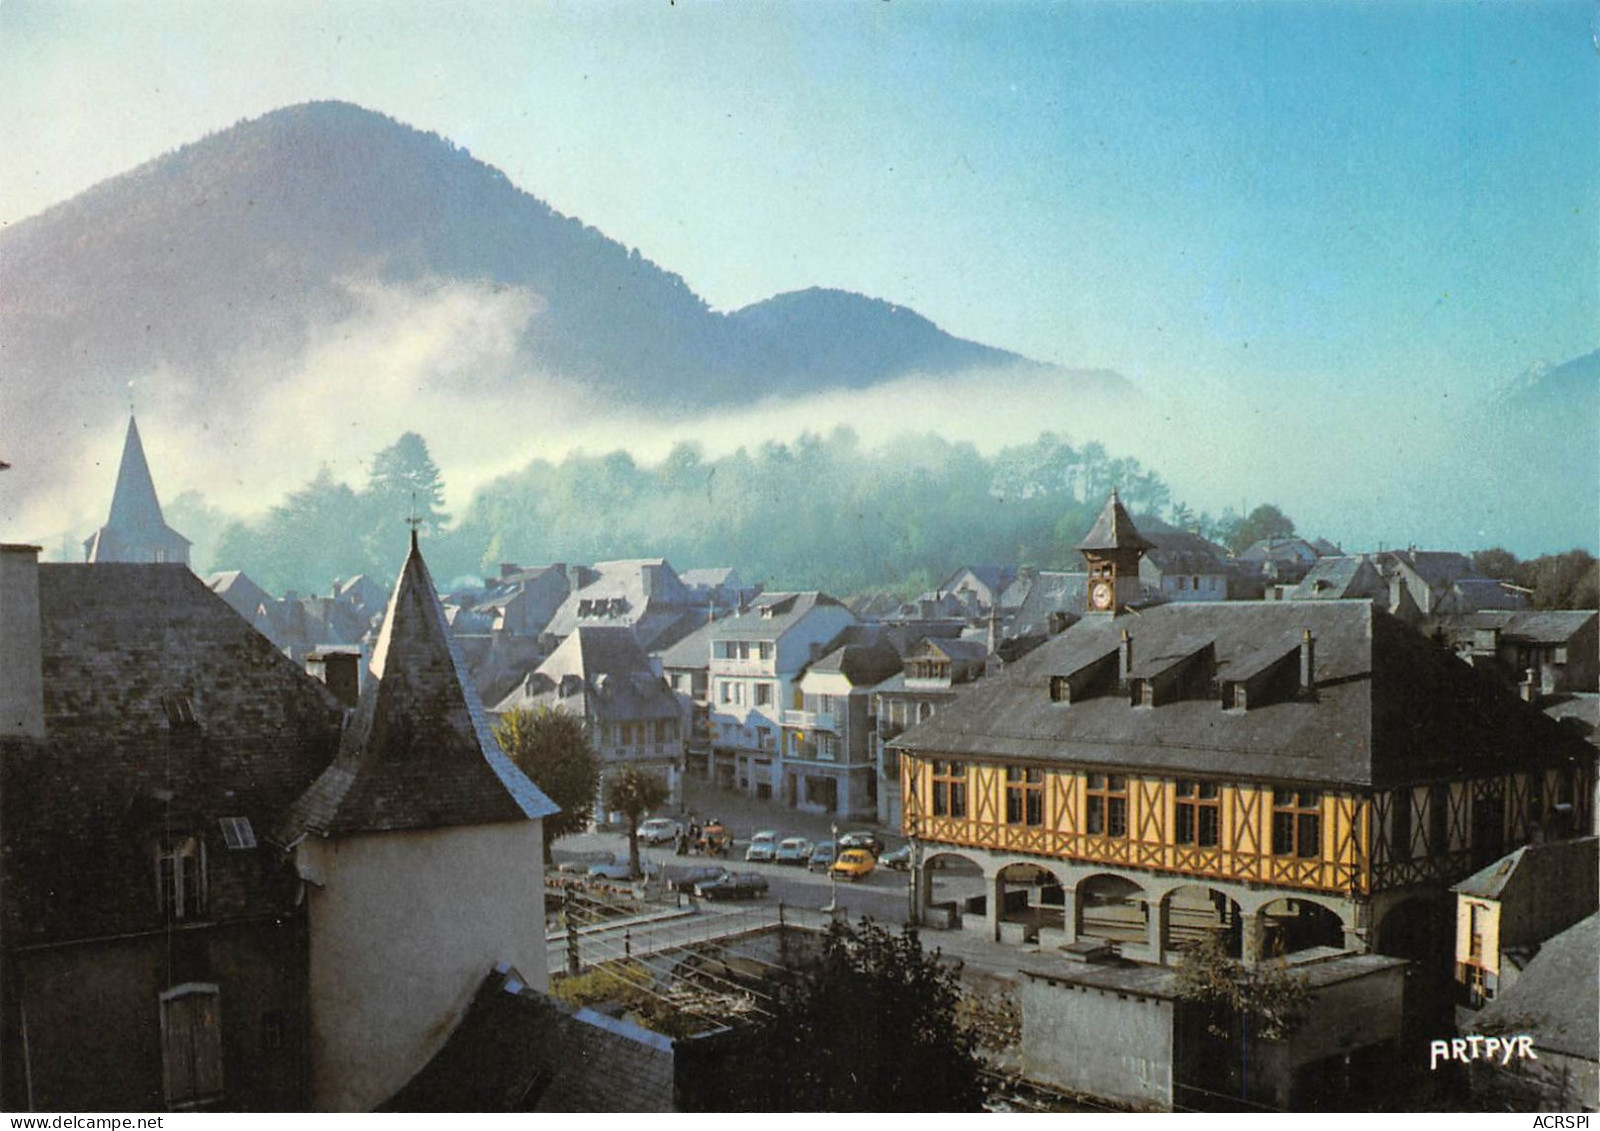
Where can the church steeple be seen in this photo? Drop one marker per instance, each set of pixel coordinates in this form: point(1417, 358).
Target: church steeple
point(135, 531)
point(1113, 548)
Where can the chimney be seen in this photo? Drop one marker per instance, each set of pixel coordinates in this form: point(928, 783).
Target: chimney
point(1529, 687)
point(21, 661)
point(340, 671)
point(1308, 662)
point(1127, 656)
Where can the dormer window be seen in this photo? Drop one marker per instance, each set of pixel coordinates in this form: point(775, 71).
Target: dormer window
point(181, 877)
point(237, 833)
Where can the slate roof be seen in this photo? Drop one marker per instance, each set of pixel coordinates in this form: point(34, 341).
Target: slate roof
point(1389, 705)
point(1341, 578)
point(614, 679)
point(418, 752)
point(1052, 592)
point(1557, 998)
point(1279, 550)
point(135, 525)
point(863, 654)
point(770, 616)
point(1529, 864)
point(1179, 551)
point(693, 651)
point(518, 1050)
point(1531, 626)
point(236, 588)
point(79, 813)
point(992, 577)
point(1114, 530)
point(644, 594)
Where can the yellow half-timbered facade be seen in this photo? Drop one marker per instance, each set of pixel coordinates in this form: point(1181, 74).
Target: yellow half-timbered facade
point(1278, 761)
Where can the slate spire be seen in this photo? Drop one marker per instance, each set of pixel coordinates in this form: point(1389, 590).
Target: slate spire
point(135, 531)
point(418, 752)
point(1114, 530)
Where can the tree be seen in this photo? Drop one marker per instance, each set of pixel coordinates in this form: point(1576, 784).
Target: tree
point(873, 1025)
point(553, 749)
point(634, 793)
point(400, 473)
point(1266, 521)
point(1498, 563)
point(1238, 1006)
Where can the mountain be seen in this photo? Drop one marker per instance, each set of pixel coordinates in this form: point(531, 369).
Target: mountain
point(219, 266)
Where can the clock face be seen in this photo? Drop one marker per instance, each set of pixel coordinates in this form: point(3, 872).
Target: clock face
point(1100, 594)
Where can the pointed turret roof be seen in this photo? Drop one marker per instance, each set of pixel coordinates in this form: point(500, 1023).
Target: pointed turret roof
point(418, 752)
point(1114, 530)
point(135, 531)
point(134, 505)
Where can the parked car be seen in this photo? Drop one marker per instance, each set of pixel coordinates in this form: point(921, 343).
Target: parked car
point(854, 863)
point(866, 840)
point(620, 872)
point(794, 850)
point(658, 830)
point(763, 846)
point(687, 879)
point(899, 859)
point(733, 885)
point(821, 856)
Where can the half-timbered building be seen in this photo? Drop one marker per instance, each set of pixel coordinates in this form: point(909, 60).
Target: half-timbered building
point(1292, 774)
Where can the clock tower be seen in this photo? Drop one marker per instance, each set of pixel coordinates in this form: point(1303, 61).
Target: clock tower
point(1113, 549)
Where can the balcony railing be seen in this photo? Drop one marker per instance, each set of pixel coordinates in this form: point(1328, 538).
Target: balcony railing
point(810, 720)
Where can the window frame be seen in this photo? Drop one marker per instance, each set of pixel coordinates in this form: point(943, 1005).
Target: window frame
point(1025, 797)
point(949, 789)
point(1106, 806)
point(1297, 823)
point(1197, 814)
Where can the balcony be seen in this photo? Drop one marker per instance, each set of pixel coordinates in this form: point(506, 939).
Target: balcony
point(810, 720)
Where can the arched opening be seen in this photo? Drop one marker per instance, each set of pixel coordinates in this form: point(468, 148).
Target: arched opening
point(1031, 896)
point(1195, 912)
point(1292, 924)
point(1422, 930)
point(948, 882)
point(1112, 908)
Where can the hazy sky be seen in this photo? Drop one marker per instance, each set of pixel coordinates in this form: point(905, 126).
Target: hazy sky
point(1332, 221)
point(1364, 193)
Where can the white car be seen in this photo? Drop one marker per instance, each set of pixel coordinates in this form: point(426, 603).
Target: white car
point(763, 846)
point(658, 830)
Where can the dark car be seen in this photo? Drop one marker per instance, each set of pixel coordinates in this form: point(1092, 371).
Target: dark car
point(733, 885)
point(687, 879)
point(899, 859)
point(866, 840)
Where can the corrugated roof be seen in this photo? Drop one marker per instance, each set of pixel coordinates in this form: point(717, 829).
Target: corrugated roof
point(418, 752)
point(1389, 706)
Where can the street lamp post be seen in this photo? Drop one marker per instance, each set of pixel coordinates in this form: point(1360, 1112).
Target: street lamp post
point(833, 876)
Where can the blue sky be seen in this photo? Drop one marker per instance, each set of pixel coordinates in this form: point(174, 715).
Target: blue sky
point(1239, 199)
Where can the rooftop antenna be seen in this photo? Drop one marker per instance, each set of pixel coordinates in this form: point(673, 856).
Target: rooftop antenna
point(130, 399)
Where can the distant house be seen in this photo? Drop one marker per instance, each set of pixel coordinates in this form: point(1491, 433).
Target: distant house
point(135, 531)
point(718, 588)
point(1445, 583)
point(1342, 577)
point(522, 602)
point(756, 659)
point(1185, 567)
point(363, 592)
point(1556, 1002)
point(602, 675)
point(1054, 599)
point(644, 594)
point(829, 752)
point(985, 583)
point(1506, 910)
point(933, 672)
point(244, 596)
point(1273, 562)
point(1551, 652)
point(299, 625)
point(686, 666)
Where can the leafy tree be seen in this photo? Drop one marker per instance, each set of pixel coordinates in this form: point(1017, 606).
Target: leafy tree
point(1563, 581)
point(873, 1025)
point(1498, 563)
point(1266, 521)
point(553, 749)
point(634, 793)
point(400, 473)
point(1267, 1000)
